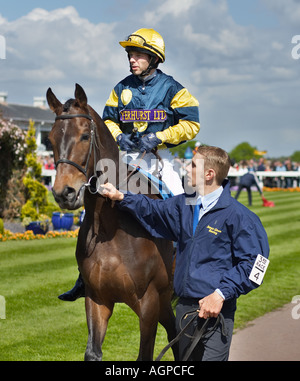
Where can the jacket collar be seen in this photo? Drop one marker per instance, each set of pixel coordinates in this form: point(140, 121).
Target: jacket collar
point(223, 201)
point(148, 80)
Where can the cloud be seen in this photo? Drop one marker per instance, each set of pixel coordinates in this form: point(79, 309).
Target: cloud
point(244, 76)
point(59, 48)
point(169, 8)
point(288, 10)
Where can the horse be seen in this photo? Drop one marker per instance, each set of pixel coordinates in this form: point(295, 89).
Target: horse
point(118, 260)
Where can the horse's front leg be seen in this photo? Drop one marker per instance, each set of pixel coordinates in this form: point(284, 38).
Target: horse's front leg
point(97, 319)
point(167, 320)
point(148, 314)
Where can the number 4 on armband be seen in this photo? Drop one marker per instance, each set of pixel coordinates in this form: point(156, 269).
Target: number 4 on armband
point(259, 269)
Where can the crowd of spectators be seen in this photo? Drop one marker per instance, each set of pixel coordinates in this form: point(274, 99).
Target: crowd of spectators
point(261, 165)
point(47, 163)
point(265, 165)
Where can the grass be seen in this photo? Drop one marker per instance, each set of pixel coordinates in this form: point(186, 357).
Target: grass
point(281, 281)
point(38, 326)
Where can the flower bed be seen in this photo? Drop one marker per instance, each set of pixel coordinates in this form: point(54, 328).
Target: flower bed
point(266, 189)
point(28, 235)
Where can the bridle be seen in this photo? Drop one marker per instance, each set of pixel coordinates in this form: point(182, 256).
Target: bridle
point(91, 148)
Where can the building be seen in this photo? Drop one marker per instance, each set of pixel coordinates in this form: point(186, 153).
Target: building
point(20, 115)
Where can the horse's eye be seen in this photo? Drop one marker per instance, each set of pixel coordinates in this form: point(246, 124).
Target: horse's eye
point(85, 137)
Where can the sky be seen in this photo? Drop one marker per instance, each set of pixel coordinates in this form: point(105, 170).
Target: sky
point(234, 56)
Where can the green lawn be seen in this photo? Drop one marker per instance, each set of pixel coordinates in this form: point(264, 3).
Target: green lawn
point(38, 326)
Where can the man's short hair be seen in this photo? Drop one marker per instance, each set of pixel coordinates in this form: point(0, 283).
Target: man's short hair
point(217, 159)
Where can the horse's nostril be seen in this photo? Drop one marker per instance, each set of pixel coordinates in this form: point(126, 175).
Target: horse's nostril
point(69, 193)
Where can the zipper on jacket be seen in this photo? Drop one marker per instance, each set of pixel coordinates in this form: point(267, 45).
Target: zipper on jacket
point(188, 266)
point(189, 259)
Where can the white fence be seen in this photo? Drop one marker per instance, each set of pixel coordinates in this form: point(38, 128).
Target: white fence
point(295, 175)
point(281, 175)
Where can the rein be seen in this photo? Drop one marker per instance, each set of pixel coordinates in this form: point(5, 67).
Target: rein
point(199, 333)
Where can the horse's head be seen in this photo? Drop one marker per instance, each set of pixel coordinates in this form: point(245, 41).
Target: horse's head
point(72, 138)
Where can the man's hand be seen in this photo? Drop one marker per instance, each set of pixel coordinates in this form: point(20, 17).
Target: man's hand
point(211, 305)
point(108, 190)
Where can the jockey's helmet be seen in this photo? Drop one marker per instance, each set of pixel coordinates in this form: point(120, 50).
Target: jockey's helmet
point(146, 41)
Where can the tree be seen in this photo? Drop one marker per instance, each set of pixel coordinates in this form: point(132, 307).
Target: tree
point(181, 148)
point(12, 156)
point(296, 156)
point(243, 151)
point(37, 205)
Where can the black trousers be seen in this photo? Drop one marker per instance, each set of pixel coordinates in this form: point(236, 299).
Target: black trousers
point(213, 347)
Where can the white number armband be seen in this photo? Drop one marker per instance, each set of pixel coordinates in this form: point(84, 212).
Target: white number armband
point(259, 269)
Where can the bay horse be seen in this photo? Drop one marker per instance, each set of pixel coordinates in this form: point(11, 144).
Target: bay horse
point(118, 260)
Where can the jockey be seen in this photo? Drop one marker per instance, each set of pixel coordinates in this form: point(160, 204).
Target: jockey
point(161, 111)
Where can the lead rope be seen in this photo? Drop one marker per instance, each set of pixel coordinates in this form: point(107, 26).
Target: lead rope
point(198, 333)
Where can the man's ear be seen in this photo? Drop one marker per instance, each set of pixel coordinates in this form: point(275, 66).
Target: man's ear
point(210, 174)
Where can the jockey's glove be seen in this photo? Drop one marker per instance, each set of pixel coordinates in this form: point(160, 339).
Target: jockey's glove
point(148, 142)
point(125, 143)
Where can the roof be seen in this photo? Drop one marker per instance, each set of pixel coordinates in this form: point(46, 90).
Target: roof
point(25, 113)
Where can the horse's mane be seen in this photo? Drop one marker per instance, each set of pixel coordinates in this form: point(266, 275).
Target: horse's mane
point(68, 104)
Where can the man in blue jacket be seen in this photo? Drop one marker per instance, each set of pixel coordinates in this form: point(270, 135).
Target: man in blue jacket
point(246, 181)
point(216, 246)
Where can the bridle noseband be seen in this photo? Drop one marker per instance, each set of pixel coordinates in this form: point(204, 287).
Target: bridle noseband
point(67, 161)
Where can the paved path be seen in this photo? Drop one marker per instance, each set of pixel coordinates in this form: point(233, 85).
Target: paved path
point(272, 337)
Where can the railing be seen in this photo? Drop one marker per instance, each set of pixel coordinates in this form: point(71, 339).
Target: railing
point(232, 173)
point(281, 175)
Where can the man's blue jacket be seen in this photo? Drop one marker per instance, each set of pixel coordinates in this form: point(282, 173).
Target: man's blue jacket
point(222, 251)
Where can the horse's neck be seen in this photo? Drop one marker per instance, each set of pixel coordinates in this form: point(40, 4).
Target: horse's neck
point(108, 154)
point(105, 141)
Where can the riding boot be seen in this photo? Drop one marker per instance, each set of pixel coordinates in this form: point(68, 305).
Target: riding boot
point(78, 291)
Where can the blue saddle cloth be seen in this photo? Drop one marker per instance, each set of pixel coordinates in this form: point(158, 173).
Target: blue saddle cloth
point(156, 184)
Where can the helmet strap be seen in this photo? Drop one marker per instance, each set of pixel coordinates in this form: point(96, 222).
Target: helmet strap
point(152, 65)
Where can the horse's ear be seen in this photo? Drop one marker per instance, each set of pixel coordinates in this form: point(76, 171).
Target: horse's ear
point(53, 102)
point(80, 95)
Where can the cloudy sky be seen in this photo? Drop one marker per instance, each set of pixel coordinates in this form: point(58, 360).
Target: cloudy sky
point(234, 56)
